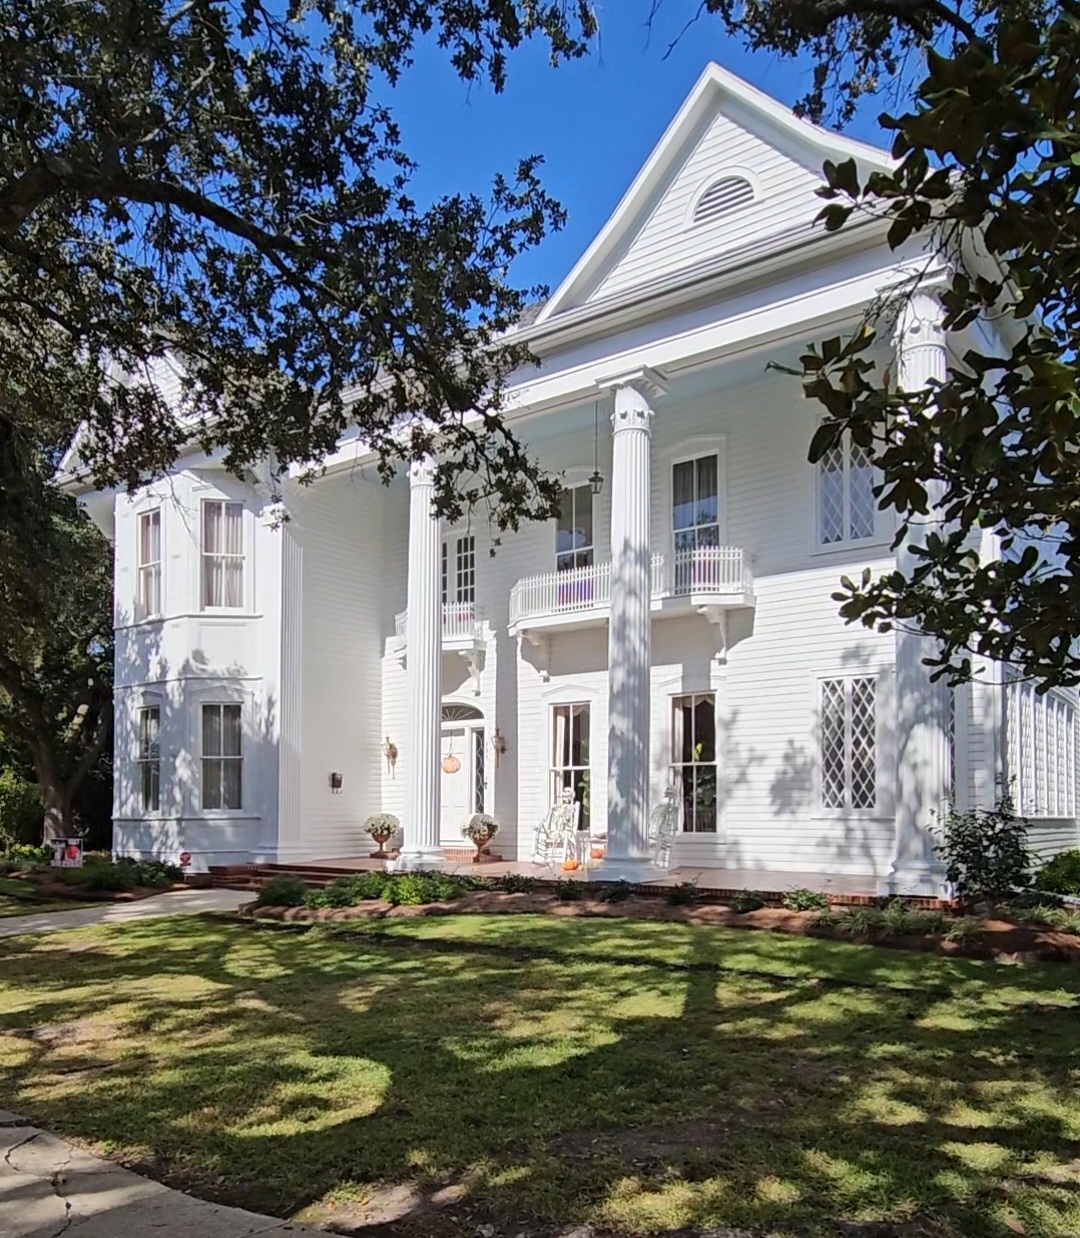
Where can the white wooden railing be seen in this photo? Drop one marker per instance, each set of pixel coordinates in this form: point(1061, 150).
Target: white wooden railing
point(711, 570)
point(460, 621)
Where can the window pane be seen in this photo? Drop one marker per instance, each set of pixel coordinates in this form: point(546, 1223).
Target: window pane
point(580, 747)
point(445, 560)
point(231, 730)
point(573, 531)
point(860, 494)
point(212, 520)
point(684, 729)
point(833, 778)
point(230, 790)
point(213, 581)
point(211, 784)
point(234, 581)
point(234, 528)
point(705, 729)
point(707, 499)
point(682, 490)
point(831, 496)
point(211, 734)
point(863, 744)
point(560, 717)
point(583, 515)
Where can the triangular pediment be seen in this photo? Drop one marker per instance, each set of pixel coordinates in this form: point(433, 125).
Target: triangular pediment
point(733, 169)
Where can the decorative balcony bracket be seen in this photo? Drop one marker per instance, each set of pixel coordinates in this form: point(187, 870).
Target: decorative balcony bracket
point(718, 617)
point(541, 643)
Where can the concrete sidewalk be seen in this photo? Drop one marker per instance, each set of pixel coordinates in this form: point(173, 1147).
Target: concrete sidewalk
point(175, 902)
point(49, 1187)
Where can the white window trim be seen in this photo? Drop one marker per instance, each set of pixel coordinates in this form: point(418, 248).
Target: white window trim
point(140, 514)
point(449, 548)
point(692, 449)
point(715, 763)
point(884, 747)
point(245, 556)
point(223, 698)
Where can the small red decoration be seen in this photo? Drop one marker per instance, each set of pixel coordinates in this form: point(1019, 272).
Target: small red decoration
point(185, 859)
point(71, 851)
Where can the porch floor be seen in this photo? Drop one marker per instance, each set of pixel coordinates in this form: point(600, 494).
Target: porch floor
point(715, 880)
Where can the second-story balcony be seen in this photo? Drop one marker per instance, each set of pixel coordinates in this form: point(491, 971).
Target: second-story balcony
point(462, 625)
point(712, 577)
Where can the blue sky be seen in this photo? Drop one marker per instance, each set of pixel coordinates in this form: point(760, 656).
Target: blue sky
point(595, 121)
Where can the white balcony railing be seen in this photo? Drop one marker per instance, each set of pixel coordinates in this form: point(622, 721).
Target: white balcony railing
point(710, 571)
point(460, 621)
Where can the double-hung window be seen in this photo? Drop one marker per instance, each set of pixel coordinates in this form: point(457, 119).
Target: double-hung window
point(693, 760)
point(149, 564)
point(574, 529)
point(845, 495)
point(459, 570)
point(222, 554)
point(222, 756)
point(848, 757)
point(149, 759)
point(695, 521)
point(570, 756)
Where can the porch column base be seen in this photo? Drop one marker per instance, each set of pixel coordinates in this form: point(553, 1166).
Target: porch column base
point(418, 860)
point(913, 883)
point(636, 871)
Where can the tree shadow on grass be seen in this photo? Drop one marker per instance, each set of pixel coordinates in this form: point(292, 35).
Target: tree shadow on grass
point(569, 1086)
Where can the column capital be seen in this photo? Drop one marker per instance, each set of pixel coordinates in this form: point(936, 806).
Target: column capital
point(422, 472)
point(919, 321)
point(646, 382)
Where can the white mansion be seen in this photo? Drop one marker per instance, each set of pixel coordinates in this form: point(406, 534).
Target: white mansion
point(277, 682)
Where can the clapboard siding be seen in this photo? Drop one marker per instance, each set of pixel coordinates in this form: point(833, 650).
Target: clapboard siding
point(667, 240)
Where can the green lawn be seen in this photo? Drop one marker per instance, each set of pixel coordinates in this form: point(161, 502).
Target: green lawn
point(21, 898)
point(637, 1076)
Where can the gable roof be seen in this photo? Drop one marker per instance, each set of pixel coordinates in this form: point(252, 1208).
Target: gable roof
point(715, 92)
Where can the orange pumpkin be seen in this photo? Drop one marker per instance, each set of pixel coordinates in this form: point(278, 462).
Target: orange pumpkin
point(569, 865)
point(597, 853)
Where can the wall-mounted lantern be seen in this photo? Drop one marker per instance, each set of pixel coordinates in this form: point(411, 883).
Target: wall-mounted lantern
point(596, 480)
point(498, 742)
point(335, 783)
point(390, 752)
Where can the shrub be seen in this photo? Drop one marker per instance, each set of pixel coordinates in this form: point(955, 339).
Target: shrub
point(1065, 920)
point(1060, 875)
point(283, 891)
point(824, 923)
point(615, 892)
point(964, 930)
point(922, 923)
point(369, 886)
point(100, 875)
point(682, 894)
point(747, 900)
point(341, 892)
point(20, 855)
point(984, 850)
point(860, 921)
point(156, 873)
point(480, 827)
point(515, 883)
point(20, 810)
point(381, 823)
point(567, 891)
point(413, 889)
point(803, 899)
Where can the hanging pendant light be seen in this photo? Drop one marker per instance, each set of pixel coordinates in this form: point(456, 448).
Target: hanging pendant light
point(596, 481)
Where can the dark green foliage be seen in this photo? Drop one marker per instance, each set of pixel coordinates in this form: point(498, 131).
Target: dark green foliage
point(684, 893)
point(859, 922)
point(615, 891)
point(567, 891)
point(1060, 875)
point(283, 891)
point(341, 892)
point(984, 851)
point(746, 901)
point(20, 809)
point(802, 899)
point(515, 883)
point(398, 889)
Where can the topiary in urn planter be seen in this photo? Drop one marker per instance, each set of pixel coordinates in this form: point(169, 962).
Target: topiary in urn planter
point(480, 829)
point(381, 826)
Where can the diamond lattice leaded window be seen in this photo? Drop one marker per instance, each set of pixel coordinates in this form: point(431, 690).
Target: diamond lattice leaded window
point(846, 504)
point(849, 743)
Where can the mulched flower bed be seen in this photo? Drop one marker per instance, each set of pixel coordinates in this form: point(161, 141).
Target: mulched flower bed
point(997, 939)
point(44, 890)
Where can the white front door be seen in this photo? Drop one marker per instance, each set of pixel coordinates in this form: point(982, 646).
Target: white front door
point(458, 794)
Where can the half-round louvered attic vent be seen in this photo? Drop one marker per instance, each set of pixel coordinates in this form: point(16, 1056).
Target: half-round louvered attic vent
point(728, 194)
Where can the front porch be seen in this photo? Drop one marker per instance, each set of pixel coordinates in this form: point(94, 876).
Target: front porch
point(718, 883)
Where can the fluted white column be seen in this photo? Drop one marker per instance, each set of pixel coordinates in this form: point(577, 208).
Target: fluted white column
point(423, 677)
point(629, 660)
point(921, 706)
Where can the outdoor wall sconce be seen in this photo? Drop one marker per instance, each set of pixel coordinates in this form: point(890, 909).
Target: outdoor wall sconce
point(390, 752)
point(498, 742)
point(335, 783)
point(596, 480)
